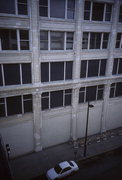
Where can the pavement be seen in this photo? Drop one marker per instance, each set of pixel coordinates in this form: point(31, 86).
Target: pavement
point(37, 163)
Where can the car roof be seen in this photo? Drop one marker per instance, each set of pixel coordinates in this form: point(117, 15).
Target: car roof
point(64, 164)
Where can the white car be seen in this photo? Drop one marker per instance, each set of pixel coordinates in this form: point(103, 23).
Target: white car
point(62, 170)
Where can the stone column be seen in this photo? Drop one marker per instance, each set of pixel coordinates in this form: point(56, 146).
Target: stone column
point(110, 61)
point(112, 40)
point(34, 23)
point(76, 66)
point(37, 122)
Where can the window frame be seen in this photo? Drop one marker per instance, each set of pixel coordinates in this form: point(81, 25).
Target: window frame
point(113, 87)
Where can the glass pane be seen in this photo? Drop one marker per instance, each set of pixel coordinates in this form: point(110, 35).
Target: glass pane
point(112, 89)
point(81, 97)
point(103, 67)
point(7, 6)
point(120, 67)
point(83, 69)
point(26, 73)
point(69, 41)
point(85, 40)
point(57, 71)
point(44, 72)
point(108, 12)
point(43, 11)
point(57, 40)
point(120, 14)
point(100, 94)
point(87, 10)
point(69, 70)
point(71, 4)
point(8, 39)
point(45, 103)
point(91, 93)
point(67, 99)
point(86, 15)
point(105, 41)
point(118, 89)
point(45, 94)
point(57, 8)
point(1, 78)
point(43, 2)
point(56, 99)
point(22, 1)
point(70, 14)
point(22, 9)
point(115, 66)
point(95, 40)
point(14, 105)
point(93, 66)
point(24, 35)
point(27, 103)
point(44, 40)
point(97, 11)
point(11, 74)
point(2, 107)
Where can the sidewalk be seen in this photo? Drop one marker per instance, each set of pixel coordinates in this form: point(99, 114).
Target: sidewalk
point(35, 164)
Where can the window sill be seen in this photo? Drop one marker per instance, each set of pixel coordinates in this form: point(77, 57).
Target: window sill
point(14, 15)
point(57, 19)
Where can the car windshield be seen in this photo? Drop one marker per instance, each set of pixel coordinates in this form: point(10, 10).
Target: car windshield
point(57, 169)
point(71, 164)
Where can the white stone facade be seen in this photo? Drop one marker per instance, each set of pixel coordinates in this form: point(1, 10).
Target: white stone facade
point(34, 131)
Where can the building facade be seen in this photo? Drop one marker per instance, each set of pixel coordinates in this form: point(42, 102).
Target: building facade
point(55, 56)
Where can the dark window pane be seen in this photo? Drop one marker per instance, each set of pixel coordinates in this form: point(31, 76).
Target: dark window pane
point(83, 69)
point(87, 10)
point(118, 40)
point(97, 11)
point(120, 14)
point(85, 40)
point(68, 96)
point(70, 9)
point(44, 40)
point(81, 95)
point(27, 103)
point(57, 40)
point(1, 78)
point(100, 92)
point(22, 9)
point(45, 94)
point(91, 93)
point(118, 89)
point(57, 71)
point(95, 40)
point(43, 11)
point(7, 6)
point(8, 39)
point(24, 39)
point(115, 66)
point(69, 41)
point(14, 105)
point(44, 72)
point(56, 99)
point(43, 2)
point(120, 67)
point(108, 12)
point(69, 70)
point(11, 74)
point(103, 67)
point(2, 107)
point(57, 8)
point(26, 73)
point(105, 41)
point(112, 89)
point(93, 66)
point(45, 100)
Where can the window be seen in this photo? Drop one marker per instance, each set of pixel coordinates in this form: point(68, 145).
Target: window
point(9, 7)
point(10, 41)
point(64, 9)
point(24, 40)
point(13, 74)
point(119, 40)
point(93, 68)
point(91, 93)
point(55, 71)
point(54, 40)
point(97, 11)
point(22, 7)
point(117, 66)
point(120, 14)
point(15, 105)
point(116, 90)
point(56, 99)
point(43, 8)
point(93, 40)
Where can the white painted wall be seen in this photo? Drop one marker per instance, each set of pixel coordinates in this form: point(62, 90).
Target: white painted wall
point(114, 116)
point(19, 135)
point(55, 127)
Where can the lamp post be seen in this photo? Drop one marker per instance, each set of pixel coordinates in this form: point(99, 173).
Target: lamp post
point(85, 142)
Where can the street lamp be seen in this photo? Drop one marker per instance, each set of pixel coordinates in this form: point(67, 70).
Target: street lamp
point(89, 106)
